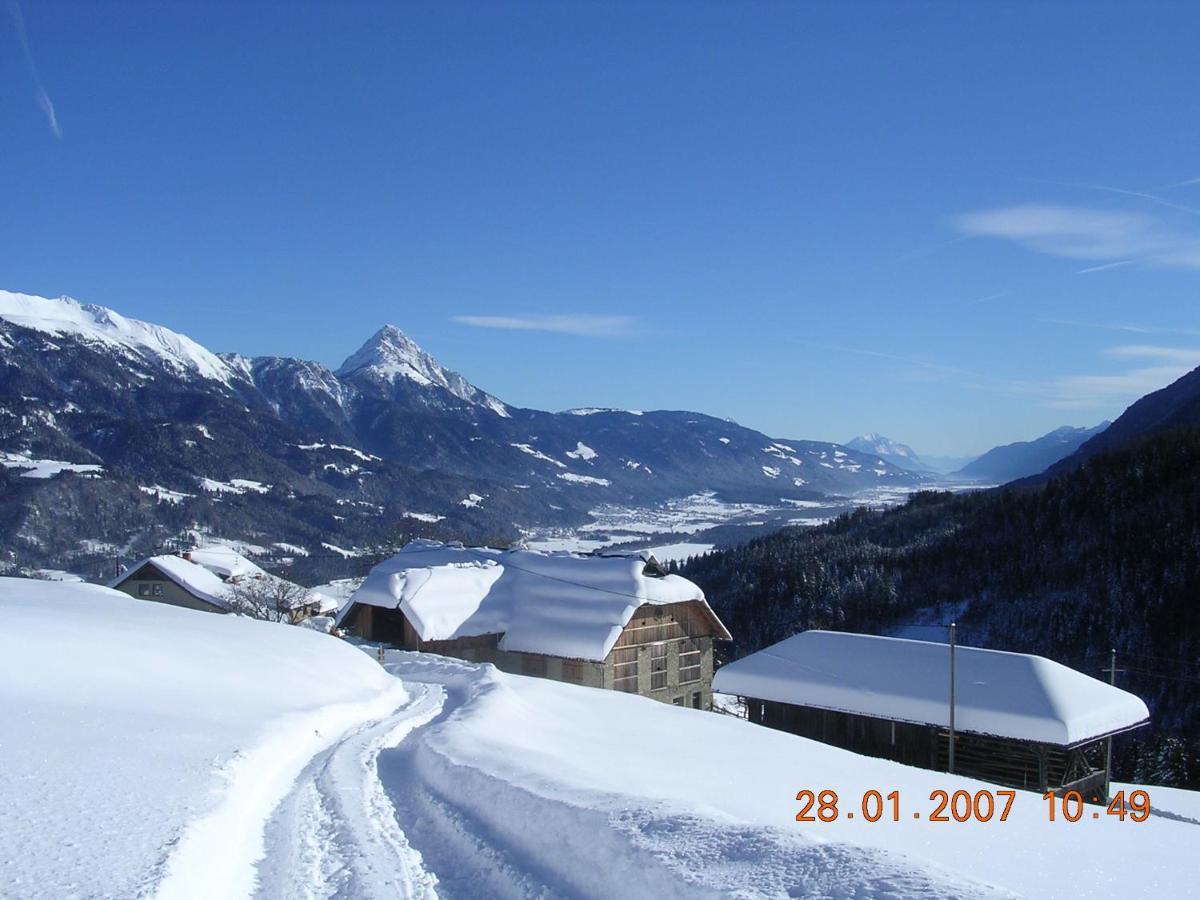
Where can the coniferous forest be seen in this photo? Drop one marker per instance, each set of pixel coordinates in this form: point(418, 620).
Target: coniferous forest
point(1103, 557)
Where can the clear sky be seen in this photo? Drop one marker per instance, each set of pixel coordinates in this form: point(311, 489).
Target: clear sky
point(955, 224)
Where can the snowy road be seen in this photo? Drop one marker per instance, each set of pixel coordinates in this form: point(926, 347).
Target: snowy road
point(335, 834)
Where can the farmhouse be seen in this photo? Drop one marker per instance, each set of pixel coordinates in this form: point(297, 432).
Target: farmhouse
point(1020, 721)
point(208, 579)
point(608, 621)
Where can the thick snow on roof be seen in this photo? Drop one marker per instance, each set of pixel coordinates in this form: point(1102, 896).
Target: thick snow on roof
point(100, 324)
point(560, 604)
point(225, 562)
point(1012, 695)
point(206, 573)
point(190, 576)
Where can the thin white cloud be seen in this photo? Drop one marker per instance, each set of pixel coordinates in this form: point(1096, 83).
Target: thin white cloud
point(1099, 235)
point(1105, 266)
point(581, 324)
point(43, 98)
point(1130, 327)
point(1188, 356)
point(1159, 367)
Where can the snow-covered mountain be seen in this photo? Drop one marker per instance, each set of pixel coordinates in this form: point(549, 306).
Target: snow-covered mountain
point(892, 451)
point(392, 360)
point(99, 325)
point(144, 432)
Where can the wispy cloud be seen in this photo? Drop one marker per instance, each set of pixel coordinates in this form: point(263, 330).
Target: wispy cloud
point(43, 99)
point(1130, 327)
point(1100, 235)
point(1148, 368)
point(581, 324)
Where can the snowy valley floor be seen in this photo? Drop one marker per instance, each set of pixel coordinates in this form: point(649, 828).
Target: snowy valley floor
point(150, 751)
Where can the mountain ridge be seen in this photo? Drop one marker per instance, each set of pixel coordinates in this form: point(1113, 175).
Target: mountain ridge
point(341, 456)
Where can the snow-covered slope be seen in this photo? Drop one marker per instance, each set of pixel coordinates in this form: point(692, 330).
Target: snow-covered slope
point(160, 752)
point(391, 356)
point(668, 801)
point(98, 324)
point(127, 723)
point(893, 451)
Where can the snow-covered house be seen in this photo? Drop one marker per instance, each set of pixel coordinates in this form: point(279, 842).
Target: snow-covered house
point(208, 579)
point(1020, 720)
point(609, 621)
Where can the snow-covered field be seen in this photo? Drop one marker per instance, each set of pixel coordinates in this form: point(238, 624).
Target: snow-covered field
point(159, 752)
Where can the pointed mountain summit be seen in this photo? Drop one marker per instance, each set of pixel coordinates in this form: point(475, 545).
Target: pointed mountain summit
point(392, 358)
point(885, 448)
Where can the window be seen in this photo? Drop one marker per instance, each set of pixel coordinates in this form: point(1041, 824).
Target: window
point(157, 591)
point(658, 667)
point(625, 669)
point(697, 700)
point(677, 701)
point(143, 590)
point(689, 661)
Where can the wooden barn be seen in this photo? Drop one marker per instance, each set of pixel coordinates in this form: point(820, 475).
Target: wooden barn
point(617, 621)
point(1020, 721)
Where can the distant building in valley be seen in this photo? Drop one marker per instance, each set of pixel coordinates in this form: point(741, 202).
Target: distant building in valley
point(220, 580)
point(616, 621)
point(1020, 720)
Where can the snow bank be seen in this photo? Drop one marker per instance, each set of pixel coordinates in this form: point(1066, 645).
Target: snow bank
point(142, 743)
point(1011, 695)
point(555, 603)
point(602, 789)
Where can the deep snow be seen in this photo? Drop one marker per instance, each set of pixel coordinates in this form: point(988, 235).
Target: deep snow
point(154, 751)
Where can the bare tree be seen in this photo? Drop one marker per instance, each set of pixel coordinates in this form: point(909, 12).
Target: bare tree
point(270, 599)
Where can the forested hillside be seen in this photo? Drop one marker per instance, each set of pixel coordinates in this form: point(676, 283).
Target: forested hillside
point(1105, 556)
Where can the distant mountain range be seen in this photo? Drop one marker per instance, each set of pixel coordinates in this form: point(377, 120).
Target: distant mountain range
point(1025, 458)
point(999, 465)
point(117, 434)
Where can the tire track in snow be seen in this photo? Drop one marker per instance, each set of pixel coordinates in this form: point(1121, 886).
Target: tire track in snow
point(215, 855)
point(335, 835)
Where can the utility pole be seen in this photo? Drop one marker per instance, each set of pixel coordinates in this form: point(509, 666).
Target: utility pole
point(1112, 679)
point(950, 767)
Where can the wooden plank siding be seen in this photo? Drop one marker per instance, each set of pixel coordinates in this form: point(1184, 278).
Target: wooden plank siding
point(1005, 761)
point(664, 652)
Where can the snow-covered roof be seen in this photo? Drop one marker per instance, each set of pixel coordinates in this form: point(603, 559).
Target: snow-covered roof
point(560, 604)
point(1012, 695)
point(212, 573)
point(225, 562)
point(192, 577)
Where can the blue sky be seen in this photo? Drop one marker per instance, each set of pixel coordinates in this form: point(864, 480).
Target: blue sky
point(955, 224)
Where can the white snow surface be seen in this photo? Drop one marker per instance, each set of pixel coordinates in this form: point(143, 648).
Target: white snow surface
point(98, 324)
point(1012, 695)
point(584, 479)
point(582, 451)
point(609, 794)
point(560, 604)
point(151, 751)
point(46, 468)
point(144, 744)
